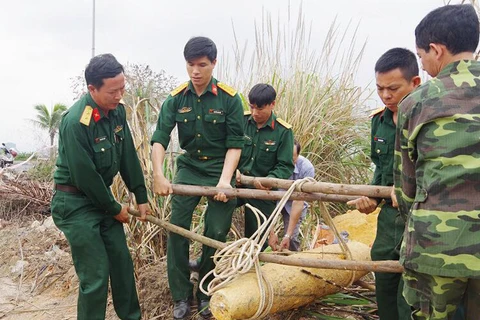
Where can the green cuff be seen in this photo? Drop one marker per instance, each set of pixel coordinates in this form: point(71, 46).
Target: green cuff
point(141, 195)
point(114, 209)
point(234, 142)
point(160, 137)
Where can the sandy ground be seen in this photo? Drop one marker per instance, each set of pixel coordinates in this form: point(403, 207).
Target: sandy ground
point(37, 279)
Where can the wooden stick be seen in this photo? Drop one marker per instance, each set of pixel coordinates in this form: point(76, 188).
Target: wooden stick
point(390, 266)
point(190, 190)
point(324, 187)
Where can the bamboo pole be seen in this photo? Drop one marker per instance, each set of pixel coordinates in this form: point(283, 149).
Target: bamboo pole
point(324, 187)
point(190, 190)
point(390, 266)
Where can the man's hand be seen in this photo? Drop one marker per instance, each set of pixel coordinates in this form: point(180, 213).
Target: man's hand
point(364, 204)
point(222, 196)
point(123, 216)
point(144, 209)
point(394, 198)
point(285, 244)
point(258, 185)
point(273, 241)
point(161, 185)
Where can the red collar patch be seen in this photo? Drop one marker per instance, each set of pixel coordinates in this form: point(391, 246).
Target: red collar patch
point(96, 115)
point(214, 89)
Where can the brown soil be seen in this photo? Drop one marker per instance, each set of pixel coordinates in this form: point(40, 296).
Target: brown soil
point(38, 281)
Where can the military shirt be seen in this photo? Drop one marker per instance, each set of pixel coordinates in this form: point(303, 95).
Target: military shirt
point(93, 148)
point(382, 146)
point(208, 125)
point(268, 151)
point(437, 173)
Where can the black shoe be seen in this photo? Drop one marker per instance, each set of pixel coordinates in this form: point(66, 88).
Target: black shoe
point(204, 309)
point(194, 265)
point(181, 310)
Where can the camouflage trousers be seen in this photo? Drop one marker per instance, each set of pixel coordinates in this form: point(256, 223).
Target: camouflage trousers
point(437, 297)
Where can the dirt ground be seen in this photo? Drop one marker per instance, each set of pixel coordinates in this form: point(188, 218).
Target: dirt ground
point(38, 281)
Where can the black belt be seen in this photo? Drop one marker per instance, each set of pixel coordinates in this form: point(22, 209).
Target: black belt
point(67, 188)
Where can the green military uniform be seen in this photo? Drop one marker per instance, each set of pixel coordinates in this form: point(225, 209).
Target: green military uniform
point(390, 225)
point(437, 167)
point(93, 148)
point(208, 125)
point(268, 152)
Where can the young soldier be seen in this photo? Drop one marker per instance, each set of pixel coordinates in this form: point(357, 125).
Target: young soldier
point(437, 168)
point(208, 115)
point(396, 74)
point(268, 150)
point(94, 145)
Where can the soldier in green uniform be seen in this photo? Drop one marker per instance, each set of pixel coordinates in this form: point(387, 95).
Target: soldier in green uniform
point(95, 144)
point(268, 150)
point(396, 74)
point(437, 168)
point(208, 115)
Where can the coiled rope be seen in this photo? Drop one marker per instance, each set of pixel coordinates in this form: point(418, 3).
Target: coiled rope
point(241, 256)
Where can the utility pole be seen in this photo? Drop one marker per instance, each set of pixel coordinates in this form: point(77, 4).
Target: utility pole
point(93, 30)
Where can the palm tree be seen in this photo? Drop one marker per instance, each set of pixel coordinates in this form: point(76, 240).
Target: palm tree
point(49, 120)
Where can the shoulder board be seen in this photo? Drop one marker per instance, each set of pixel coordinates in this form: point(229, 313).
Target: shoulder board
point(284, 123)
point(226, 88)
point(247, 112)
point(179, 89)
point(376, 111)
point(86, 116)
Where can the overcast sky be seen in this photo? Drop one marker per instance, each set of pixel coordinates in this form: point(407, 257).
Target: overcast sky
point(46, 43)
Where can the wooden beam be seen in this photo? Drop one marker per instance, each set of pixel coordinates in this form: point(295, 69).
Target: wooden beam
point(390, 266)
point(323, 187)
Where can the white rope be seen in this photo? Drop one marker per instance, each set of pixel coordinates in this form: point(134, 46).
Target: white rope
point(240, 256)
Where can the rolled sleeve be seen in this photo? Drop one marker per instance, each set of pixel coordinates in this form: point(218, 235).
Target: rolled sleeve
point(160, 137)
point(234, 142)
point(165, 124)
point(235, 139)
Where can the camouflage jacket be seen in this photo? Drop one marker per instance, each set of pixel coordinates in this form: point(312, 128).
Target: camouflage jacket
point(437, 173)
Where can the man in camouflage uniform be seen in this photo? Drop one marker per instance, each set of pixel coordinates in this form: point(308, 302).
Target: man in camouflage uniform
point(396, 75)
point(268, 150)
point(437, 168)
point(208, 115)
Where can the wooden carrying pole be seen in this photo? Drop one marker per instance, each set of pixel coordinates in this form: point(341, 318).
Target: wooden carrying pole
point(188, 190)
point(375, 266)
point(323, 187)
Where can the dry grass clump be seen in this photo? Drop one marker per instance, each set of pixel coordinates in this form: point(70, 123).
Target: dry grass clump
point(24, 200)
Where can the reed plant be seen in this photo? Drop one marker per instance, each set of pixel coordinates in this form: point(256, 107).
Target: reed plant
point(316, 92)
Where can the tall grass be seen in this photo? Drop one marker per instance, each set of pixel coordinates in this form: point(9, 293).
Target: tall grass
point(316, 92)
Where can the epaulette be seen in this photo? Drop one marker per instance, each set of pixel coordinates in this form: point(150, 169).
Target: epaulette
point(179, 89)
point(284, 123)
point(376, 111)
point(86, 115)
point(227, 89)
point(247, 112)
